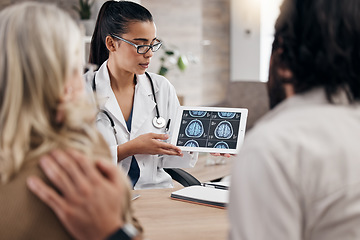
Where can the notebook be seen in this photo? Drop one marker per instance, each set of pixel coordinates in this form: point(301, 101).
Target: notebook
point(204, 195)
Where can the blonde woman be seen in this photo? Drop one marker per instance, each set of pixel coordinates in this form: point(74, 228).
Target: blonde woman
point(43, 107)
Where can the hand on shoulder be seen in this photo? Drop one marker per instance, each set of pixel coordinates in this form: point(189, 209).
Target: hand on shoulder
point(92, 195)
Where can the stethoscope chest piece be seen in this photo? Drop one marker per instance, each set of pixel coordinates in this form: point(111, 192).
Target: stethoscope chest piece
point(159, 122)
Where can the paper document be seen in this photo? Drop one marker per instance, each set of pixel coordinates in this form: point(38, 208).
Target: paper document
point(208, 196)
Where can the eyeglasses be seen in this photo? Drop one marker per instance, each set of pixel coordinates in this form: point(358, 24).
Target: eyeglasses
point(142, 49)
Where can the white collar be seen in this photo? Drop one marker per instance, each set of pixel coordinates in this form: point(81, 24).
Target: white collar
point(103, 87)
point(313, 97)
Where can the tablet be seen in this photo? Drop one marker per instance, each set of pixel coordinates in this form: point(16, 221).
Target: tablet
point(209, 129)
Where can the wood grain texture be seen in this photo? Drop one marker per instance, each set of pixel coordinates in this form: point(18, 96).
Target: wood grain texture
point(164, 218)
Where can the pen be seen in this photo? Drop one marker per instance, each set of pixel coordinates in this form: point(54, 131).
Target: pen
point(167, 126)
point(215, 186)
point(166, 131)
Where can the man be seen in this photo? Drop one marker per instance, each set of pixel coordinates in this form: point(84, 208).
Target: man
point(298, 173)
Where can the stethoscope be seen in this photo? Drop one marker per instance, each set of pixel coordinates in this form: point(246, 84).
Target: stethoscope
point(158, 121)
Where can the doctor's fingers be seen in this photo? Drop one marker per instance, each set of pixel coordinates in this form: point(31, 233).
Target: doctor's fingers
point(171, 152)
point(67, 164)
point(168, 146)
point(159, 136)
point(169, 149)
point(221, 155)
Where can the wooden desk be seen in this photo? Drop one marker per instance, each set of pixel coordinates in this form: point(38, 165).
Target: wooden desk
point(167, 219)
point(164, 218)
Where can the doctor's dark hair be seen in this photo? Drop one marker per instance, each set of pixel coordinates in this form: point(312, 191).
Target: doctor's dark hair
point(319, 42)
point(114, 18)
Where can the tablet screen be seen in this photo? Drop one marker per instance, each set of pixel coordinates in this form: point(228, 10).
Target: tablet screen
point(207, 129)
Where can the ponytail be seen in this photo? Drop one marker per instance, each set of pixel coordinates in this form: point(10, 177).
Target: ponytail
point(98, 51)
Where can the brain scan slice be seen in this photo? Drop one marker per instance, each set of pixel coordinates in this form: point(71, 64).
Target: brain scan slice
point(194, 129)
point(197, 113)
point(224, 130)
point(222, 145)
point(227, 115)
point(191, 143)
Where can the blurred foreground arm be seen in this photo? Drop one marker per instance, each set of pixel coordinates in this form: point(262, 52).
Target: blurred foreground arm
point(89, 205)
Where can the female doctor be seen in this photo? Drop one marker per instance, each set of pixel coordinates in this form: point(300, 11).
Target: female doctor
point(136, 107)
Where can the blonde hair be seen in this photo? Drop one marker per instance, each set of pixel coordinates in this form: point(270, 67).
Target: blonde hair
point(41, 48)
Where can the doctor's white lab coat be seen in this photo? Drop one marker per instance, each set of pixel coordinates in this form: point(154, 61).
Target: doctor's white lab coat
point(151, 173)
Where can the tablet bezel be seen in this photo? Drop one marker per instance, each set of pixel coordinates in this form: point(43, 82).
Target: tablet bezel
point(241, 130)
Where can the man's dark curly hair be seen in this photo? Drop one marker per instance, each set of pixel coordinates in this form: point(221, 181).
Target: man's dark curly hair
point(320, 43)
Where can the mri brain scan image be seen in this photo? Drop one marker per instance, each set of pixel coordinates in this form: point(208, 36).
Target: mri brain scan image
point(226, 115)
point(191, 143)
point(224, 130)
point(209, 129)
point(197, 113)
point(194, 129)
point(222, 145)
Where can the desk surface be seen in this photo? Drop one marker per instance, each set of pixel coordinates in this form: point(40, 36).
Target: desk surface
point(164, 218)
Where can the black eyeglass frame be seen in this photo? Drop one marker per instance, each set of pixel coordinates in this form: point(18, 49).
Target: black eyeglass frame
point(152, 46)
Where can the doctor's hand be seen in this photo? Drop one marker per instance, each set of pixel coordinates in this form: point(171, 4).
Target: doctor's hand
point(89, 205)
point(150, 143)
point(222, 154)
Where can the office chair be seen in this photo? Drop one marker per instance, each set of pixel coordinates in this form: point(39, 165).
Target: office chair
point(182, 177)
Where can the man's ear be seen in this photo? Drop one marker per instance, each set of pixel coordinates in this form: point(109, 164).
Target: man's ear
point(110, 44)
point(285, 73)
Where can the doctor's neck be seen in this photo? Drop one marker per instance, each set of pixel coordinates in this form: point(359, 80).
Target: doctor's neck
point(120, 79)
